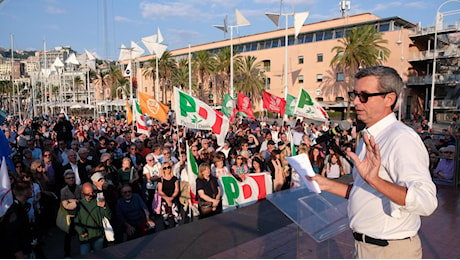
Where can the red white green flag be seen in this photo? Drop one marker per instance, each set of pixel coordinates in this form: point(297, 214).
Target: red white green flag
point(192, 173)
point(194, 113)
point(140, 121)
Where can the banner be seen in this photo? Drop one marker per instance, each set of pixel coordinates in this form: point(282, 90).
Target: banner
point(194, 113)
point(244, 105)
point(309, 108)
point(153, 108)
point(236, 194)
point(274, 103)
point(291, 102)
point(127, 72)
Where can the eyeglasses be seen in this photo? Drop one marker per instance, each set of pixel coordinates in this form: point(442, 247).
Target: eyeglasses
point(70, 178)
point(166, 153)
point(448, 152)
point(89, 194)
point(166, 167)
point(194, 150)
point(363, 96)
point(126, 191)
point(150, 160)
point(18, 166)
point(47, 155)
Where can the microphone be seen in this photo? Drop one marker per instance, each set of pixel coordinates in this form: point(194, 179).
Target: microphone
point(343, 125)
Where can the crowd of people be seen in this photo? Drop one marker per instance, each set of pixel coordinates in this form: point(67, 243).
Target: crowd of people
point(96, 168)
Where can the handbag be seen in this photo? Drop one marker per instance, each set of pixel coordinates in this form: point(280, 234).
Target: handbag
point(63, 219)
point(205, 206)
point(156, 203)
point(108, 230)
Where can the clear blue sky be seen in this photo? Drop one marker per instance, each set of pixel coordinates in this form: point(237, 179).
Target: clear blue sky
point(80, 23)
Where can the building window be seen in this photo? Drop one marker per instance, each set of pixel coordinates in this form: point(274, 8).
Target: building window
point(328, 35)
point(319, 36)
point(300, 59)
point(267, 82)
point(319, 77)
point(384, 27)
point(300, 79)
point(339, 34)
point(309, 37)
point(319, 57)
point(266, 65)
point(339, 76)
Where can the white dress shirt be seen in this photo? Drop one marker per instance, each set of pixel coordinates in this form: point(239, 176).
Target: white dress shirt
point(404, 161)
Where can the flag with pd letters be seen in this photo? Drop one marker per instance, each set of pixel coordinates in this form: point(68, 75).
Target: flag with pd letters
point(244, 105)
point(309, 108)
point(274, 103)
point(153, 108)
point(194, 113)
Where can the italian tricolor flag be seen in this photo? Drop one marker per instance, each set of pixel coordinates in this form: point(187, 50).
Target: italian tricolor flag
point(192, 172)
point(140, 121)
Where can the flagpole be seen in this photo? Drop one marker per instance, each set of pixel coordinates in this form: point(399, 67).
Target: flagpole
point(189, 69)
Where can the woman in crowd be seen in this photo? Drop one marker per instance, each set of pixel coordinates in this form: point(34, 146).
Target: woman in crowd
point(276, 169)
point(333, 168)
point(168, 188)
point(208, 192)
point(128, 175)
point(240, 168)
point(316, 160)
point(152, 175)
point(218, 168)
point(258, 165)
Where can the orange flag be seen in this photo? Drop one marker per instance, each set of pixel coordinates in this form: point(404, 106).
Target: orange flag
point(129, 113)
point(153, 108)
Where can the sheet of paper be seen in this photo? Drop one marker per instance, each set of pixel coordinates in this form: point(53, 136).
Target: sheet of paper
point(301, 164)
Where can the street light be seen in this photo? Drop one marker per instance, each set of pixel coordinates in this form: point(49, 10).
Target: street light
point(240, 21)
point(439, 21)
point(381, 57)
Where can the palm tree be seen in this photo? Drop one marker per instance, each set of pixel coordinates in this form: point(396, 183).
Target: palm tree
point(180, 76)
point(222, 70)
point(249, 78)
point(360, 47)
point(203, 64)
point(166, 67)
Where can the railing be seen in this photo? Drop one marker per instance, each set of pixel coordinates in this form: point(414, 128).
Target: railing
point(430, 30)
point(428, 55)
point(440, 79)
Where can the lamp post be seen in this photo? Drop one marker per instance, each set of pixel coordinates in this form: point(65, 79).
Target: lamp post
point(240, 21)
point(381, 57)
point(439, 20)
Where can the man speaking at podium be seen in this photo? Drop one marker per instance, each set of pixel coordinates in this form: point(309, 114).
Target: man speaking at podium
point(392, 185)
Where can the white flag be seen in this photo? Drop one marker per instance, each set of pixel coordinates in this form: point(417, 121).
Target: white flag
point(309, 108)
point(149, 41)
point(240, 19)
point(127, 70)
point(137, 51)
point(160, 37)
point(6, 197)
point(299, 20)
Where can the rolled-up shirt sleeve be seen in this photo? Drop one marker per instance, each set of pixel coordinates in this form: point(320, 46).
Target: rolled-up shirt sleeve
point(410, 168)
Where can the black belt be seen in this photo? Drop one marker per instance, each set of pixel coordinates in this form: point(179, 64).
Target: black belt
point(370, 240)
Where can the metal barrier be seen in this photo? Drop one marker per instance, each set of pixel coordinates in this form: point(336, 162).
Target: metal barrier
point(436, 144)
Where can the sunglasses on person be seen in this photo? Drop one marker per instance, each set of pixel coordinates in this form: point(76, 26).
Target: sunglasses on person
point(166, 167)
point(363, 96)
